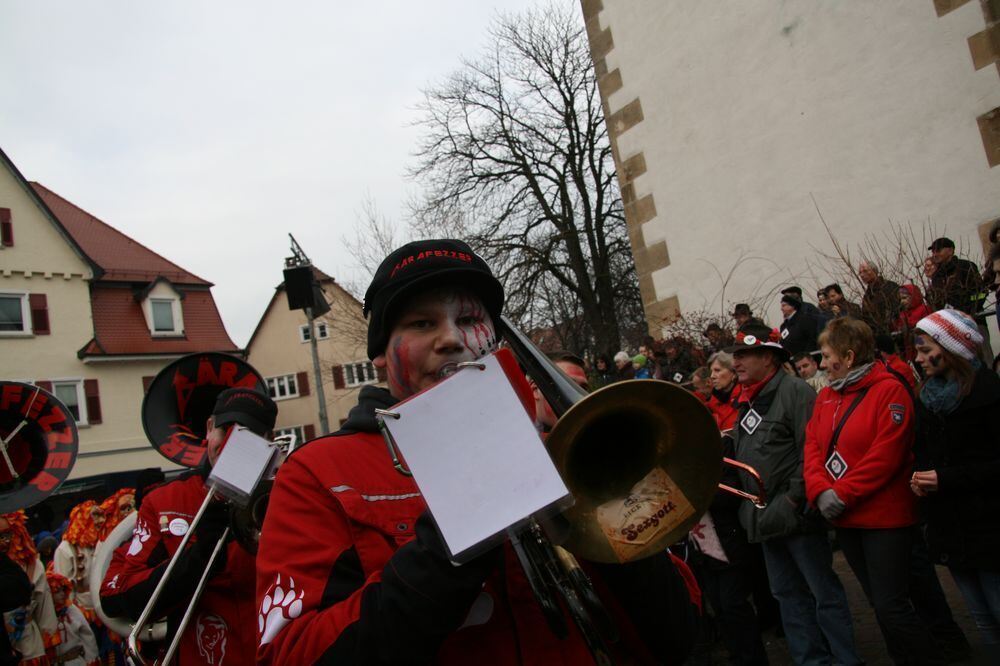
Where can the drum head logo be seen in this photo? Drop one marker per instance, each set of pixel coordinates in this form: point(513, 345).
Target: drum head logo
point(41, 446)
point(181, 398)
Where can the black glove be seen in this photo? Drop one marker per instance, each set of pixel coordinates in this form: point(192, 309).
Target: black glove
point(421, 600)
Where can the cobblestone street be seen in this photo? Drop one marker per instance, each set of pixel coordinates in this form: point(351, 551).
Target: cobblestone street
point(866, 631)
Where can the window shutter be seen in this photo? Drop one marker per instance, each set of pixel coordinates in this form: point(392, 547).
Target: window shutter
point(44, 385)
point(338, 377)
point(310, 431)
point(6, 228)
point(39, 314)
point(93, 401)
point(302, 381)
point(146, 381)
point(380, 374)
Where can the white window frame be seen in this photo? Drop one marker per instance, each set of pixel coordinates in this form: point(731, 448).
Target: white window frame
point(81, 397)
point(273, 384)
point(25, 315)
point(322, 332)
point(351, 378)
point(298, 431)
point(172, 302)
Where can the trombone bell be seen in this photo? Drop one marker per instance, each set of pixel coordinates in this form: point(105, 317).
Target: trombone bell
point(643, 461)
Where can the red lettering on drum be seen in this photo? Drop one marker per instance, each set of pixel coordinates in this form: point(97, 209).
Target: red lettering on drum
point(192, 456)
point(11, 395)
point(59, 460)
point(45, 481)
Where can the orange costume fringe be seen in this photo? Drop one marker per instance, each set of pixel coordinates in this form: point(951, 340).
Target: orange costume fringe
point(113, 509)
point(22, 548)
point(81, 530)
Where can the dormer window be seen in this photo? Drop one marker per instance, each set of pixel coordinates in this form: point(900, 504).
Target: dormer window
point(161, 306)
point(163, 315)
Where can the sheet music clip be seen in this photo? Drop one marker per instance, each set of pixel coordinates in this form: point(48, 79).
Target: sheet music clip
point(471, 446)
point(382, 414)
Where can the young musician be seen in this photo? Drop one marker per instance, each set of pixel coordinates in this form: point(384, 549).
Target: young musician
point(224, 624)
point(350, 567)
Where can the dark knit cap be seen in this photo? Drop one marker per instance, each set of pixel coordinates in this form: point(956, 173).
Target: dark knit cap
point(418, 267)
point(791, 300)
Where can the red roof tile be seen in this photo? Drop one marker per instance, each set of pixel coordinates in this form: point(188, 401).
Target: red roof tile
point(122, 258)
point(120, 328)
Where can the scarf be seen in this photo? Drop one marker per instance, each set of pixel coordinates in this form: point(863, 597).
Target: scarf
point(940, 394)
point(724, 395)
point(852, 377)
point(750, 392)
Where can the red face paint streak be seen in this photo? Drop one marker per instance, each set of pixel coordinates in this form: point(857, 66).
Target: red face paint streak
point(484, 342)
point(399, 368)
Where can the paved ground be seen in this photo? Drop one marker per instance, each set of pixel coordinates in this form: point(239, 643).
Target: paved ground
point(866, 631)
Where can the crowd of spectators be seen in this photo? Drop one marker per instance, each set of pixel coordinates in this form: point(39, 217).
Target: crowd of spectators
point(874, 426)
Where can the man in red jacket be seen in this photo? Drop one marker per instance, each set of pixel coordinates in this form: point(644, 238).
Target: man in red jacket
point(351, 569)
point(223, 629)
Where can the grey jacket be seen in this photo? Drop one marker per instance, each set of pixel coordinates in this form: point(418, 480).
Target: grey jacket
point(775, 451)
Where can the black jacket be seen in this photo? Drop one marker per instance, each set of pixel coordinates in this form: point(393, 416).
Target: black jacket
point(957, 284)
point(799, 332)
point(880, 305)
point(963, 516)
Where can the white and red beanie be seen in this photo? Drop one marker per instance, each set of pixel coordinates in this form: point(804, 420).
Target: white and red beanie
point(955, 331)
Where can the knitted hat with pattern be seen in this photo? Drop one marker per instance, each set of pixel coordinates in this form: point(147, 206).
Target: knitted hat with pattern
point(954, 330)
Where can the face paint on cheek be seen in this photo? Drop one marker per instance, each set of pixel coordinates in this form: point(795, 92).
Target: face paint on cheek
point(935, 360)
point(399, 368)
point(480, 339)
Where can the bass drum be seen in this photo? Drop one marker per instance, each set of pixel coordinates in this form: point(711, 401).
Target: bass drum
point(103, 555)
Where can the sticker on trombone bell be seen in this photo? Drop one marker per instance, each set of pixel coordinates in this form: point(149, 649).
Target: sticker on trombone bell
point(653, 506)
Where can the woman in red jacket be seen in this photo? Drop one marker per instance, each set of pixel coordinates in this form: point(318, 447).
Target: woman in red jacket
point(858, 459)
point(725, 390)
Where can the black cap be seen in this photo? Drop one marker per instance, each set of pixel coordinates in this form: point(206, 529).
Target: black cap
point(420, 266)
point(942, 242)
point(742, 309)
point(794, 290)
point(246, 407)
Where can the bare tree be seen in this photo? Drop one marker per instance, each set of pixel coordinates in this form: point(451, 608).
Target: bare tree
point(515, 158)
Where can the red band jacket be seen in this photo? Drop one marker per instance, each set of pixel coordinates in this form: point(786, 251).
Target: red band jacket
point(347, 572)
point(223, 629)
point(876, 445)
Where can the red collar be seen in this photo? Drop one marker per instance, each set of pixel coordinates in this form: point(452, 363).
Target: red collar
point(750, 392)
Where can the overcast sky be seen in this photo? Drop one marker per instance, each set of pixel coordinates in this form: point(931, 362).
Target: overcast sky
point(209, 130)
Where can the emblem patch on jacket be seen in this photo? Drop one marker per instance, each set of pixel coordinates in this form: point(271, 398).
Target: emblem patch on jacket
point(896, 411)
point(212, 632)
point(280, 606)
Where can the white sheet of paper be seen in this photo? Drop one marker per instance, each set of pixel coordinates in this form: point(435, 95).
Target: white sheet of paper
point(476, 456)
point(241, 465)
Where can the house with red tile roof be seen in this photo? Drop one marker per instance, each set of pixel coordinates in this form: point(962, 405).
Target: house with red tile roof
point(92, 315)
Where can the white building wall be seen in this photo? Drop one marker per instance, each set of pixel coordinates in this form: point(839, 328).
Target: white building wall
point(750, 107)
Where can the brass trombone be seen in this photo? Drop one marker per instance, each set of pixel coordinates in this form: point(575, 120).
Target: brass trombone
point(606, 444)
